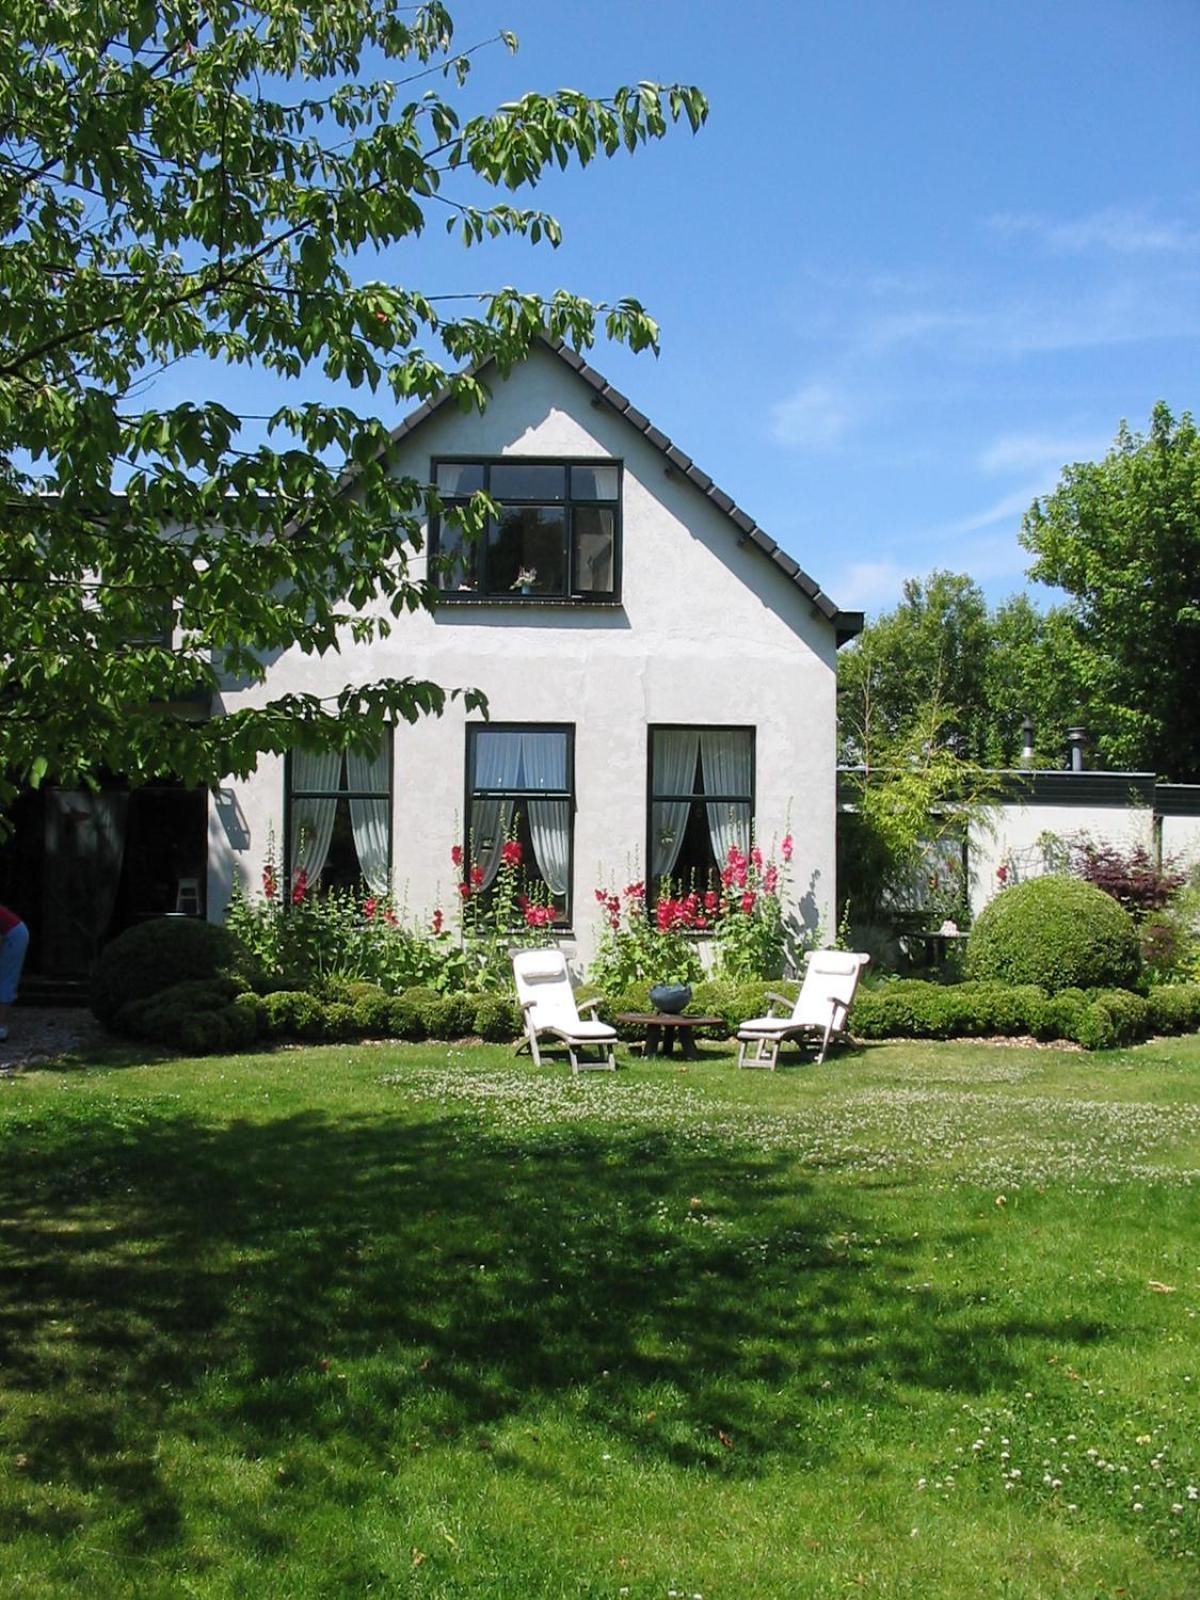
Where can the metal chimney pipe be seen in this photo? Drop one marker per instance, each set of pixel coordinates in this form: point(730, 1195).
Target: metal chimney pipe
point(1077, 745)
point(1027, 742)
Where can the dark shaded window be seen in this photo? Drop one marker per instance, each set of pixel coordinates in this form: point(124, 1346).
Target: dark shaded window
point(701, 803)
point(520, 790)
point(556, 535)
point(338, 819)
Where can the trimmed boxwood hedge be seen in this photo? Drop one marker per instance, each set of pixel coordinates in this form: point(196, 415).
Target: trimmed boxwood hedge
point(204, 1016)
point(1057, 932)
point(1097, 1018)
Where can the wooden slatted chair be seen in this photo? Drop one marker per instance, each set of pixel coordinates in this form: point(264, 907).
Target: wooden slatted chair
point(820, 1009)
point(547, 1000)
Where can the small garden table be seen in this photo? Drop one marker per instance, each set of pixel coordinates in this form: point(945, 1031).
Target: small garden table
point(664, 1027)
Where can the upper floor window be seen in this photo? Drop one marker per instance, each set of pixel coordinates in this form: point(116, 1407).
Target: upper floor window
point(701, 803)
point(557, 535)
point(338, 819)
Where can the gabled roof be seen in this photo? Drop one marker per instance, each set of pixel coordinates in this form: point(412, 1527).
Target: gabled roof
point(846, 623)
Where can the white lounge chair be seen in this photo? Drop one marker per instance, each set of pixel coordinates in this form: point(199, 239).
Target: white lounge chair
point(821, 1007)
point(547, 1001)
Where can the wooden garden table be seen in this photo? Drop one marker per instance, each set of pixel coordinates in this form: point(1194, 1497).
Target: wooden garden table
point(664, 1027)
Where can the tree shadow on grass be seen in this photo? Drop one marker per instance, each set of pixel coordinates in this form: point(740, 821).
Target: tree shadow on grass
point(393, 1281)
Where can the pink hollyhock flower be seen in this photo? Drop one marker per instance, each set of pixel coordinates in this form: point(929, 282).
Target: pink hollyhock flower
point(456, 855)
point(756, 858)
point(785, 849)
point(510, 853)
point(390, 918)
point(711, 903)
point(771, 878)
point(748, 901)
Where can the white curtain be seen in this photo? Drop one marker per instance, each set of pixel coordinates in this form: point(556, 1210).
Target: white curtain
point(544, 764)
point(725, 756)
point(674, 773)
point(497, 766)
point(312, 820)
point(369, 818)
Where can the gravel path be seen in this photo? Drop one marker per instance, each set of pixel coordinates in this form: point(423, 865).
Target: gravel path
point(37, 1034)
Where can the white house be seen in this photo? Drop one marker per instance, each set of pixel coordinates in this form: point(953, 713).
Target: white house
point(660, 678)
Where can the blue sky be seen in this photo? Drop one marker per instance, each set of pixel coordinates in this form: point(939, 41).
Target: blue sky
point(924, 253)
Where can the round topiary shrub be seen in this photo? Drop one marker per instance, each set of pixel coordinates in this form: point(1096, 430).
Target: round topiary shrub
point(156, 955)
point(1056, 932)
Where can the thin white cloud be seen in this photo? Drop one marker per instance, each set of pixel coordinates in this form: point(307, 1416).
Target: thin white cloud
point(1010, 508)
point(1113, 229)
point(1037, 452)
point(813, 417)
point(1039, 323)
point(869, 585)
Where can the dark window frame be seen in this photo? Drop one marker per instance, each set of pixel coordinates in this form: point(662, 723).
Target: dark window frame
point(291, 795)
point(653, 795)
point(569, 595)
point(471, 793)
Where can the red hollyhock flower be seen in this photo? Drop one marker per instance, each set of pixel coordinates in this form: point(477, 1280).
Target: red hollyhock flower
point(710, 903)
point(1002, 873)
point(390, 918)
point(300, 887)
point(510, 853)
point(464, 890)
point(437, 921)
point(369, 908)
point(270, 885)
point(456, 855)
point(477, 876)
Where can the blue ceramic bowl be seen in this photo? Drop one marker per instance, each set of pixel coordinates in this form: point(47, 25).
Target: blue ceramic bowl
point(670, 997)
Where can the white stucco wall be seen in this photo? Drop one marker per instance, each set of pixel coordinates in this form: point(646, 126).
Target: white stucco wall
point(1012, 832)
point(708, 633)
point(1181, 841)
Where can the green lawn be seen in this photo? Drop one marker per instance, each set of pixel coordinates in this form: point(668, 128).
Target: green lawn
point(425, 1321)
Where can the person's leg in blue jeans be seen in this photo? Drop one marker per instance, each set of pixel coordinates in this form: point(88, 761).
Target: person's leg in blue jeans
point(12, 958)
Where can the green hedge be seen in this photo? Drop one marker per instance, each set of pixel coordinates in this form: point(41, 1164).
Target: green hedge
point(155, 956)
point(205, 1016)
point(1098, 1019)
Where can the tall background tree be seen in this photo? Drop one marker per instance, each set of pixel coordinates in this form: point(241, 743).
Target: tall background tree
point(982, 670)
point(1122, 538)
point(199, 179)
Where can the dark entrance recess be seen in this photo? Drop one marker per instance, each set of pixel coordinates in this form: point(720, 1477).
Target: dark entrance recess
point(81, 866)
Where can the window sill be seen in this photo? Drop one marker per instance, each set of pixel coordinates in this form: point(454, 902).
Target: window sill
point(568, 602)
